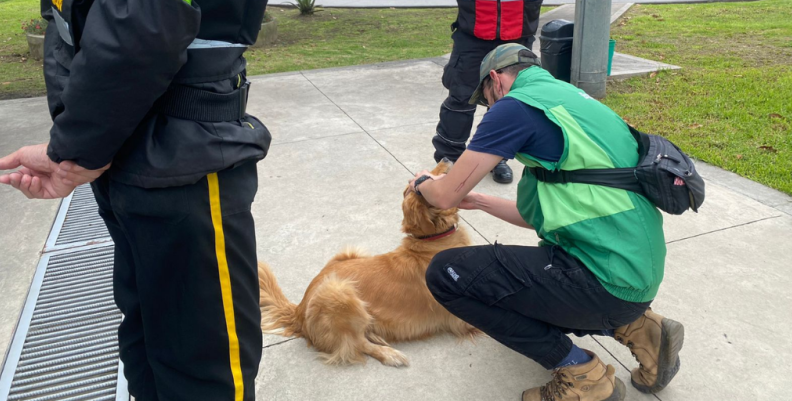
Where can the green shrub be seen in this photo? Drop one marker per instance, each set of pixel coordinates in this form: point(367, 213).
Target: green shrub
point(306, 7)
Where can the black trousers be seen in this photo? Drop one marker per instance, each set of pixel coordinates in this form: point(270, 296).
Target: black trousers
point(185, 278)
point(527, 298)
point(461, 77)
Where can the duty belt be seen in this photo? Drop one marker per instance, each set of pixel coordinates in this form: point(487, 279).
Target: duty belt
point(190, 103)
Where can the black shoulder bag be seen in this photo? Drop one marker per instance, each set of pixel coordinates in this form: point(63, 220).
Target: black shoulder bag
point(665, 175)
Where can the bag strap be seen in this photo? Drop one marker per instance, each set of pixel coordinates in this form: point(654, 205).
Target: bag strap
point(621, 178)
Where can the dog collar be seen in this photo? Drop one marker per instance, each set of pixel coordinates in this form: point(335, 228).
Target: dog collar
point(438, 236)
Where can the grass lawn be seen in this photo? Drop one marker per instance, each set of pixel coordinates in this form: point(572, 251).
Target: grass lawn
point(19, 75)
point(340, 37)
point(731, 104)
point(329, 38)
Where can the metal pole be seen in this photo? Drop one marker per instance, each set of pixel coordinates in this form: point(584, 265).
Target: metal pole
point(590, 46)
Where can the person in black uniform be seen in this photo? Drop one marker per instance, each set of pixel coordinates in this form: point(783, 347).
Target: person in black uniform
point(148, 103)
point(481, 26)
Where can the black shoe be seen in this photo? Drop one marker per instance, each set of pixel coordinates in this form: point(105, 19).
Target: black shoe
point(502, 173)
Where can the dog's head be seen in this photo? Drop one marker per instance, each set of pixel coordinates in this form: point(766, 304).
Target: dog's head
point(422, 219)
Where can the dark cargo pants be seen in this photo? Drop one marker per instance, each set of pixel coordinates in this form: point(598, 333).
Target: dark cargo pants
point(461, 77)
point(527, 298)
point(185, 278)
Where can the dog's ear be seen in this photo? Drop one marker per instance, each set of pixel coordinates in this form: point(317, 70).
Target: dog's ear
point(443, 167)
point(418, 219)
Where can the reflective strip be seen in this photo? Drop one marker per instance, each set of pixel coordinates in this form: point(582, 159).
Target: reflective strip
point(63, 27)
point(225, 285)
point(211, 44)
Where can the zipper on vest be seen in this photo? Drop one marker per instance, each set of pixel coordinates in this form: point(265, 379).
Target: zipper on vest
point(498, 22)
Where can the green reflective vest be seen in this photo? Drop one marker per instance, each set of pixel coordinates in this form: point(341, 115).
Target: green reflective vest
point(617, 234)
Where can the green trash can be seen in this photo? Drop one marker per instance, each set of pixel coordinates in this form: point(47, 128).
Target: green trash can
point(611, 47)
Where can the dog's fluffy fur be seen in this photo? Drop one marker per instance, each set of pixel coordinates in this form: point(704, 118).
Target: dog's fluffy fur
point(359, 303)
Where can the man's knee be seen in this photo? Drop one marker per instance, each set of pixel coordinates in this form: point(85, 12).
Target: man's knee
point(440, 276)
point(458, 103)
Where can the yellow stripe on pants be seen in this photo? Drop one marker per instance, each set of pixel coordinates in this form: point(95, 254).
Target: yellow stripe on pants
point(225, 286)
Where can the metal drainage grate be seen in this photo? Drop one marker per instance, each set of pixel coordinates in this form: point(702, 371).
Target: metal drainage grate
point(65, 346)
point(77, 222)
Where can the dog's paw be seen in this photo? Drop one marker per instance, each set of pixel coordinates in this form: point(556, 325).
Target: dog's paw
point(394, 358)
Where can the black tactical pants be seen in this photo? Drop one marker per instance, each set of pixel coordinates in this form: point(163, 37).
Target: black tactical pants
point(186, 281)
point(527, 298)
point(461, 77)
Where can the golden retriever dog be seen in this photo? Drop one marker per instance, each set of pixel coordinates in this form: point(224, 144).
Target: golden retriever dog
point(359, 303)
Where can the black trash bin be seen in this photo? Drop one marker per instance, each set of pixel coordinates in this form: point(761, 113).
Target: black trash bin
point(556, 45)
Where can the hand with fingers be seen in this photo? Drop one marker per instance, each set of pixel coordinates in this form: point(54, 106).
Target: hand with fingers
point(39, 177)
point(423, 173)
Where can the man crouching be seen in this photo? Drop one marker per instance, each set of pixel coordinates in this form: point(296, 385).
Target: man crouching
point(600, 262)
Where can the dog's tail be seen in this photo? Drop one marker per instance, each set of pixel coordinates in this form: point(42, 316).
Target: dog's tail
point(278, 315)
point(349, 252)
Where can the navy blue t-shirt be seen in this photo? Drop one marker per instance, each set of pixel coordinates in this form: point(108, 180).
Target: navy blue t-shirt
point(511, 126)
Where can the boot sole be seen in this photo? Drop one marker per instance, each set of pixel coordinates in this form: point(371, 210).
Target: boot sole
point(501, 180)
point(672, 338)
point(619, 391)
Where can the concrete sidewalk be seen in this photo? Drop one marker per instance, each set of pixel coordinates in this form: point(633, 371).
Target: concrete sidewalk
point(347, 140)
point(345, 143)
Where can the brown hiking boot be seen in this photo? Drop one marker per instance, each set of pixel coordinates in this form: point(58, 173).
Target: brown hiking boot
point(590, 381)
point(655, 342)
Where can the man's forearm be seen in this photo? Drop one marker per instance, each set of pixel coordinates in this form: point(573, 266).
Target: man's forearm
point(503, 209)
point(468, 171)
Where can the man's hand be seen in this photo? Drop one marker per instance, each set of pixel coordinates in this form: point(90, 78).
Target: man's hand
point(422, 173)
point(41, 178)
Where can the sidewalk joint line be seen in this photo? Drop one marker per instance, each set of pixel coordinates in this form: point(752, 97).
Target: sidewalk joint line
point(476, 230)
point(610, 353)
point(356, 123)
point(279, 343)
point(723, 229)
point(617, 360)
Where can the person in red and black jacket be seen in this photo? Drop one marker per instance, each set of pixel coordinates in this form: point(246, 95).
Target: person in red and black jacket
point(481, 26)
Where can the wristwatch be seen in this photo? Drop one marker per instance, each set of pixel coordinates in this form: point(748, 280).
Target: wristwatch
point(419, 181)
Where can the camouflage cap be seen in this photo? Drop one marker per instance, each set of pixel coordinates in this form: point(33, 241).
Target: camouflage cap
point(502, 57)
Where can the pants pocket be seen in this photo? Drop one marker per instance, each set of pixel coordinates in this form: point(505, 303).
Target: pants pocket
point(495, 284)
point(449, 71)
point(566, 271)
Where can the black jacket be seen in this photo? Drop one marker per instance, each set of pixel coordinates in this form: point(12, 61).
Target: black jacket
point(108, 61)
point(498, 19)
